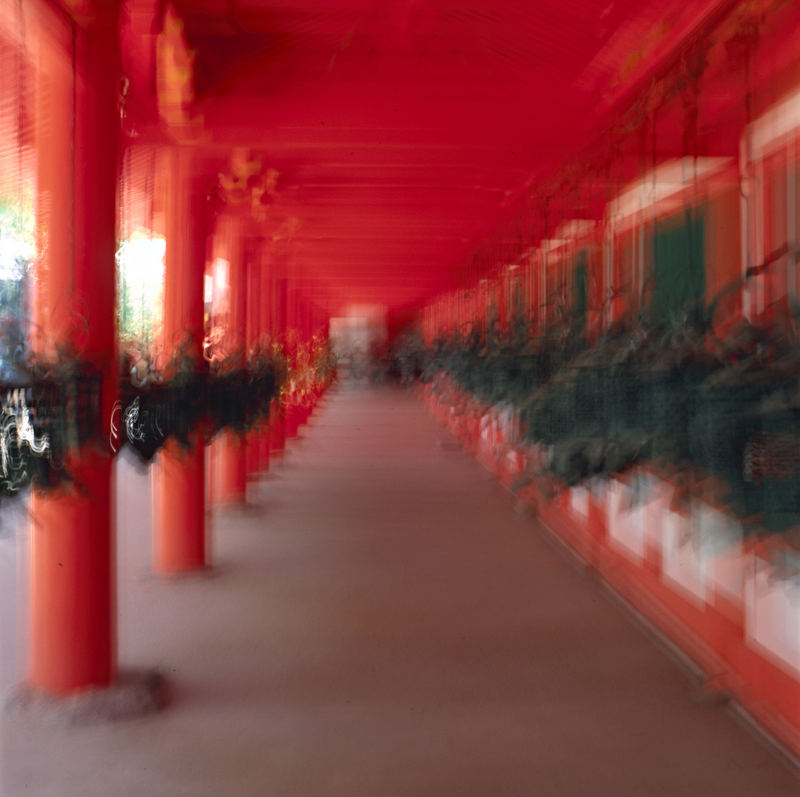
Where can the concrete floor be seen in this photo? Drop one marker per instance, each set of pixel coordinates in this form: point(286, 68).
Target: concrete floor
point(382, 623)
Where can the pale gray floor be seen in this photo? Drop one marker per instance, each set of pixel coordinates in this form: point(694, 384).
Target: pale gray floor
point(382, 623)
point(13, 589)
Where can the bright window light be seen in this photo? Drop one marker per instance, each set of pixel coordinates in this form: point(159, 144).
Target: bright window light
point(140, 265)
point(17, 248)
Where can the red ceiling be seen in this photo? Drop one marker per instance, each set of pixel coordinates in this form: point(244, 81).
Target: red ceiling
point(405, 131)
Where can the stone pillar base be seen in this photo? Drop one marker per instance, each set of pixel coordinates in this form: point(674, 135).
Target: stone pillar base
point(135, 693)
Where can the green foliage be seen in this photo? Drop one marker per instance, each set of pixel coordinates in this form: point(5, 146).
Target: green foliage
point(667, 391)
point(140, 296)
point(17, 237)
point(16, 219)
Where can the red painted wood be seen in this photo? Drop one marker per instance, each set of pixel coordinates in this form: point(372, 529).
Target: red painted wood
point(72, 617)
point(229, 449)
point(179, 494)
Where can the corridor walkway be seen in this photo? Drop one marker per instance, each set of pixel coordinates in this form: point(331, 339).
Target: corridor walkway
point(382, 623)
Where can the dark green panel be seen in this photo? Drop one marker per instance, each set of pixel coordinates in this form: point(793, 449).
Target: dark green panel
point(580, 287)
point(679, 263)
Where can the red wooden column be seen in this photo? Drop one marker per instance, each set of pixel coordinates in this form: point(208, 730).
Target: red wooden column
point(252, 339)
point(179, 527)
point(264, 289)
point(72, 641)
point(229, 474)
point(278, 326)
point(302, 361)
point(291, 411)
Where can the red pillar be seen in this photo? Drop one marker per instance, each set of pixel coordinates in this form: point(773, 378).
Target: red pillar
point(72, 643)
point(229, 466)
point(302, 362)
point(277, 428)
point(278, 419)
point(292, 339)
point(253, 336)
point(179, 527)
point(264, 320)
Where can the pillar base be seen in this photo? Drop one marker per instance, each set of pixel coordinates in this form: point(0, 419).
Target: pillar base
point(135, 693)
point(180, 576)
point(228, 469)
point(238, 508)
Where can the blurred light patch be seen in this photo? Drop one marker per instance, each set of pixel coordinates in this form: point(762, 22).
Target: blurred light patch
point(140, 265)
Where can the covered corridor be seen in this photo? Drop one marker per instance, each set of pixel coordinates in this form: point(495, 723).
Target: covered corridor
point(374, 372)
point(380, 621)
